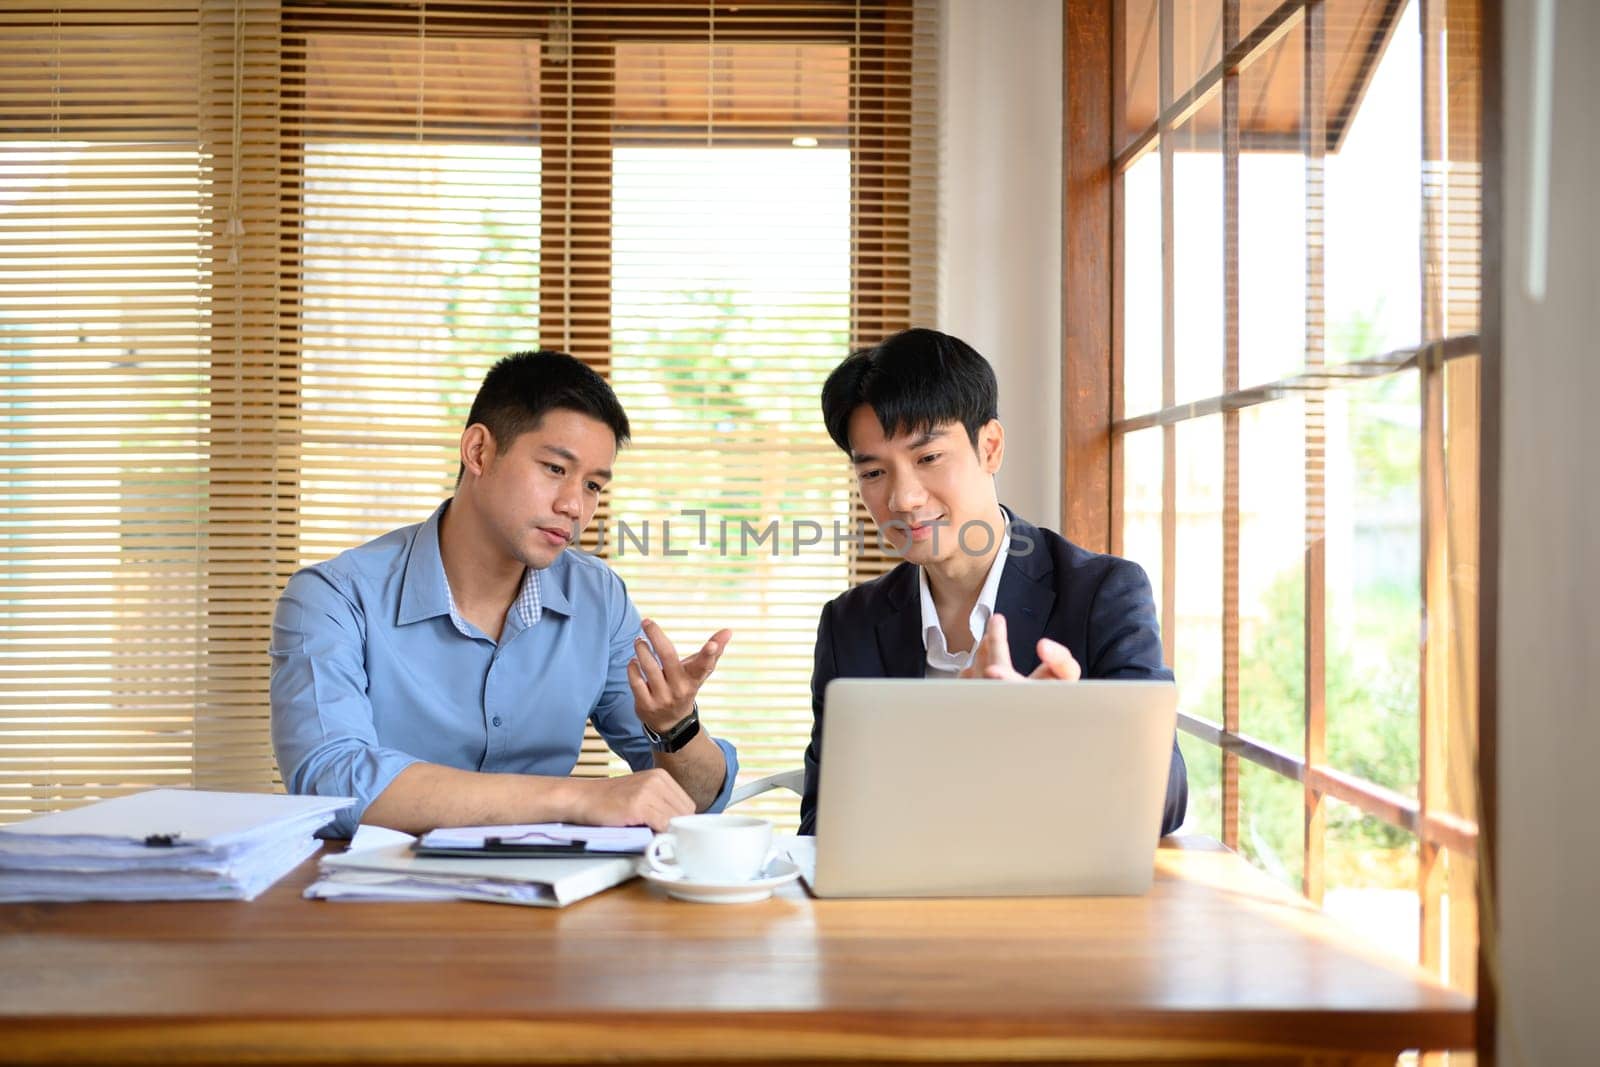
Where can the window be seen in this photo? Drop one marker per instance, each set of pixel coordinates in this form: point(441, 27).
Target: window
point(295, 258)
point(1291, 202)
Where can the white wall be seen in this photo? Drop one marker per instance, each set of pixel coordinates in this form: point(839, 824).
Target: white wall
point(1549, 715)
point(1000, 223)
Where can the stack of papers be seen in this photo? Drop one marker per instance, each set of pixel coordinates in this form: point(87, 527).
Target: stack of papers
point(163, 844)
point(382, 865)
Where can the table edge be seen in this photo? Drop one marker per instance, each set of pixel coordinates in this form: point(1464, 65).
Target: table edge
point(646, 1037)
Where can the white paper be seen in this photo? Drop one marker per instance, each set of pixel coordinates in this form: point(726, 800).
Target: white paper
point(369, 837)
point(243, 880)
point(192, 818)
point(222, 846)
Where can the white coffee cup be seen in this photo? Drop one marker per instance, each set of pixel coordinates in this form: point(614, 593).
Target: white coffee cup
point(712, 848)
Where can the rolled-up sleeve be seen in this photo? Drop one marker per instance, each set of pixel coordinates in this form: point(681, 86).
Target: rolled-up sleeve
point(322, 727)
point(614, 715)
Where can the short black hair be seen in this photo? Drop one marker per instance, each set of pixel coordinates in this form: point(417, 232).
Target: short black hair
point(519, 390)
point(913, 381)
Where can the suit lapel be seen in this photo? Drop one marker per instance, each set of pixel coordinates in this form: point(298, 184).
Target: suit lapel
point(899, 632)
point(1026, 597)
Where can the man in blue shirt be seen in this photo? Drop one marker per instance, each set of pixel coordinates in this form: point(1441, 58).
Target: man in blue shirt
point(443, 673)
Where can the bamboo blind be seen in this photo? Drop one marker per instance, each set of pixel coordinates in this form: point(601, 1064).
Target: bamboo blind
point(256, 255)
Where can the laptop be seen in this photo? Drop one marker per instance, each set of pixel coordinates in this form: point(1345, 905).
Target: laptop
point(967, 788)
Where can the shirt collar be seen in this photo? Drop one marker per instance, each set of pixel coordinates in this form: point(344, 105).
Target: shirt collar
point(425, 591)
point(528, 605)
point(933, 637)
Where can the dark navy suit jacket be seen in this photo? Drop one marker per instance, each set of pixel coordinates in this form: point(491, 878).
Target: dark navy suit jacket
point(1099, 606)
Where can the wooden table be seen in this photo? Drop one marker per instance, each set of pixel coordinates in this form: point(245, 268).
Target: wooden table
point(1215, 964)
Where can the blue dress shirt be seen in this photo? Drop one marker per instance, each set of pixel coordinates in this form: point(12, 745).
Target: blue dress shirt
point(373, 670)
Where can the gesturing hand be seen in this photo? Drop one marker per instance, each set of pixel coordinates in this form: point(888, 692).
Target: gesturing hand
point(664, 687)
point(993, 657)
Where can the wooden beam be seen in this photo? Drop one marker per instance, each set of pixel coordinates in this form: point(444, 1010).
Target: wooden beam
point(1488, 607)
point(1088, 273)
point(1169, 390)
point(1315, 140)
point(1232, 801)
point(1453, 832)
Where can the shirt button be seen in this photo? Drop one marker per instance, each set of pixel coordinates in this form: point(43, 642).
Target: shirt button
point(496, 720)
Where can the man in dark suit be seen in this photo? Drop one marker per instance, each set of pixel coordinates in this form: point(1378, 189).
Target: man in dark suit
point(981, 593)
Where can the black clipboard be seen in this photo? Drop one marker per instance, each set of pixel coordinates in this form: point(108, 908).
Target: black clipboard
point(495, 848)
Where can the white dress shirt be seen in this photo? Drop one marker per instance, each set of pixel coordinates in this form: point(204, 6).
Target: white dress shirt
point(941, 662)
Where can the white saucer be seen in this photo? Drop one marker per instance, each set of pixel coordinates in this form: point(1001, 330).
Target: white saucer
point(778, 872)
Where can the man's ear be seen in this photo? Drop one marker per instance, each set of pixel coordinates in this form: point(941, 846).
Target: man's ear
point(991, 446)
point(477, 449)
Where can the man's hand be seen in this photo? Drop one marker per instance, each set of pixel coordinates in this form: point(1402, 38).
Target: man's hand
point(647, 798)
point(993, 657)
point(664, 687)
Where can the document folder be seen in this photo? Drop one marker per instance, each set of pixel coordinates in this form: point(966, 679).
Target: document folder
point(395, 872)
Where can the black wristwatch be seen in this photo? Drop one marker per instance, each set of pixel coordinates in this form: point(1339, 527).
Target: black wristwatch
point(679, 734)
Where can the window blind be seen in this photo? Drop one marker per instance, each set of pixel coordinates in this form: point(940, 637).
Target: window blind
point(258, 255)
point(102, 324)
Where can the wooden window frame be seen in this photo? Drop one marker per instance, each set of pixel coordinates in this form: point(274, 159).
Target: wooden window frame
point(1094, 423)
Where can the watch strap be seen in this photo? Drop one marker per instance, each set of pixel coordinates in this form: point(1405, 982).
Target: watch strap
point(679, 734)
